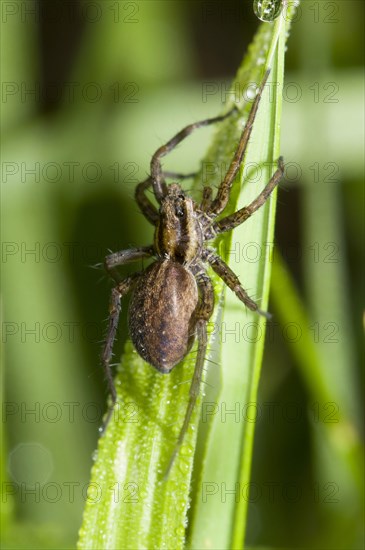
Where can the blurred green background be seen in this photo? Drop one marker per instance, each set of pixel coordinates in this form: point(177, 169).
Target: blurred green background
point(89, 91)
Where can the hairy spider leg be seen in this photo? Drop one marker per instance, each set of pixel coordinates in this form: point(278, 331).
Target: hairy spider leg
point(125, 257)
point(202, 315)
point(235, 219)
point(158, 182)
point(123, 287)
point(147, 208)
point(114, 311)
point(206, 198)
point(221, 200)
point(231, 280)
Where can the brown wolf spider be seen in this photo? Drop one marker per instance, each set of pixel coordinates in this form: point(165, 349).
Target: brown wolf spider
point(173, 298)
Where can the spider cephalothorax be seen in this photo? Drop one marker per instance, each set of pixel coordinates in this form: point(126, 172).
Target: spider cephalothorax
point(178, 234)
point(173, 299)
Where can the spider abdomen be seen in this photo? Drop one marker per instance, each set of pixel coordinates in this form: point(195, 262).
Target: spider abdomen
point(161, 314)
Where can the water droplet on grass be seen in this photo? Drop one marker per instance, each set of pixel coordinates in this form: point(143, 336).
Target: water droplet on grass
point(267, 10)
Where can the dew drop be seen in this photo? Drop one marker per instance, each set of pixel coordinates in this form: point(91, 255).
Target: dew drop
point(180, 531)
point(183, 467)
point(267, 10)
point(186, 450)
point(180, 506)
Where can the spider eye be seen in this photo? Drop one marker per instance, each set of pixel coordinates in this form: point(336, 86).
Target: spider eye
point(179, 212)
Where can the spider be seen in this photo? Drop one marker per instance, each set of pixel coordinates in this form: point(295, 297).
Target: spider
point(173, 299)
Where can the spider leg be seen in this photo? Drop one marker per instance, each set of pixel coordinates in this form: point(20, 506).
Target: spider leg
point(145, 205)
point(206, 199)
point(231, 280)
point(114, 311)
point(124, 257)
point(221, 199)
point(159, 184)
point(235, 219)
point(202, 315)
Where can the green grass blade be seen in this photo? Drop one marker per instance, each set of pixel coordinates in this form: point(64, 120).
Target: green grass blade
point(336, 436)
point(220, 493)
point(273, 152)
